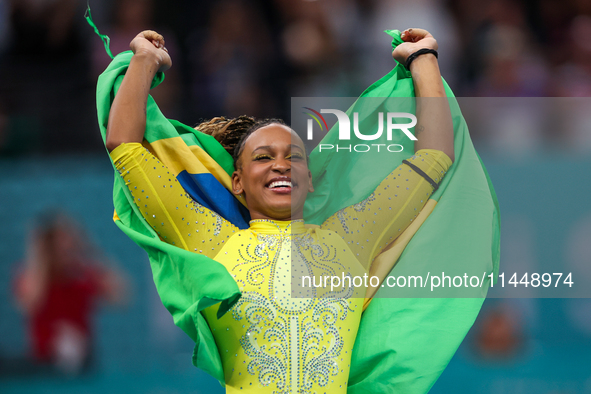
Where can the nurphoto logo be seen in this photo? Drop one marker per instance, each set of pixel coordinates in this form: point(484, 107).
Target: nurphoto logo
point(344, 124)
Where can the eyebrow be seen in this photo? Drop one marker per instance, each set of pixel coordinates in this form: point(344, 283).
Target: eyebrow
point(269, 147)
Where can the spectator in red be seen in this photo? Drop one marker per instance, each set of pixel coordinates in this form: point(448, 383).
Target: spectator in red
point(58, 288)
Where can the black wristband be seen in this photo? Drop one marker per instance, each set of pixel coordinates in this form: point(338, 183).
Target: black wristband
point(414, 55)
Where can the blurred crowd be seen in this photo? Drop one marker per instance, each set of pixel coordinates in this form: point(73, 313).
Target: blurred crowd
point(234, 57)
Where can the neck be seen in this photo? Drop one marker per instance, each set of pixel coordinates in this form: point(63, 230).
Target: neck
point(274, 226)
point(295, 216)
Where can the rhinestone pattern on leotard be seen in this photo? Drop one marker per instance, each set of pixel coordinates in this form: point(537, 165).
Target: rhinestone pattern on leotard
point(274, 340)
point(290, 343)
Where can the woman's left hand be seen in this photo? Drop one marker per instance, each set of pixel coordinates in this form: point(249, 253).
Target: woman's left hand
point(414, 39)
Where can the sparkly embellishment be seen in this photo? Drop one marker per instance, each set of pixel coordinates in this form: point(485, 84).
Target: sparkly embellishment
point(360, 206)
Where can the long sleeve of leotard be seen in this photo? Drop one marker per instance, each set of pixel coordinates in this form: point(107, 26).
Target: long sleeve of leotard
point(168, 209)
point(375, 222)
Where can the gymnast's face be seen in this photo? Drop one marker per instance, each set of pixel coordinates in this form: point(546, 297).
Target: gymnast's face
point(273, 174)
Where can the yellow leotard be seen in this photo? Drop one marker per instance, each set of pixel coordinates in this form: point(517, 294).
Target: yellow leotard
point(272, 340)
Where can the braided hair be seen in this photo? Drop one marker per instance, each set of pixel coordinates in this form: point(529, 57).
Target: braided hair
point(233, 133)
point(227, 131)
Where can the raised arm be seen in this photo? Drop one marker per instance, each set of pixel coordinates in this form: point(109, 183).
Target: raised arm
point(160, 198)
point(372, 224)
point(127, 119)
point(434, 129)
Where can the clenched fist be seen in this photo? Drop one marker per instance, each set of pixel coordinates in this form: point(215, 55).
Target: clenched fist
point(151, 43)
point(414, 39)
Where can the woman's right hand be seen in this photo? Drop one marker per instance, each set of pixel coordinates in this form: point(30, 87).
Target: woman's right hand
point(127, 117)
point(151, 43)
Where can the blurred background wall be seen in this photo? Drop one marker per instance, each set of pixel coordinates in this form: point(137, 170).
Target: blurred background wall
point(235, 57)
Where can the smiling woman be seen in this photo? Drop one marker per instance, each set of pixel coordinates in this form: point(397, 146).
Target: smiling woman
point(272, 172)
point(276, 339)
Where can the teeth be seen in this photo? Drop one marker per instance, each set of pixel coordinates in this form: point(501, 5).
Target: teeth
point(279, 183)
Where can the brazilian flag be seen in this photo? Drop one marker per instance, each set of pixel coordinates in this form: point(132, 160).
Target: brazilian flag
point(403, 344)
